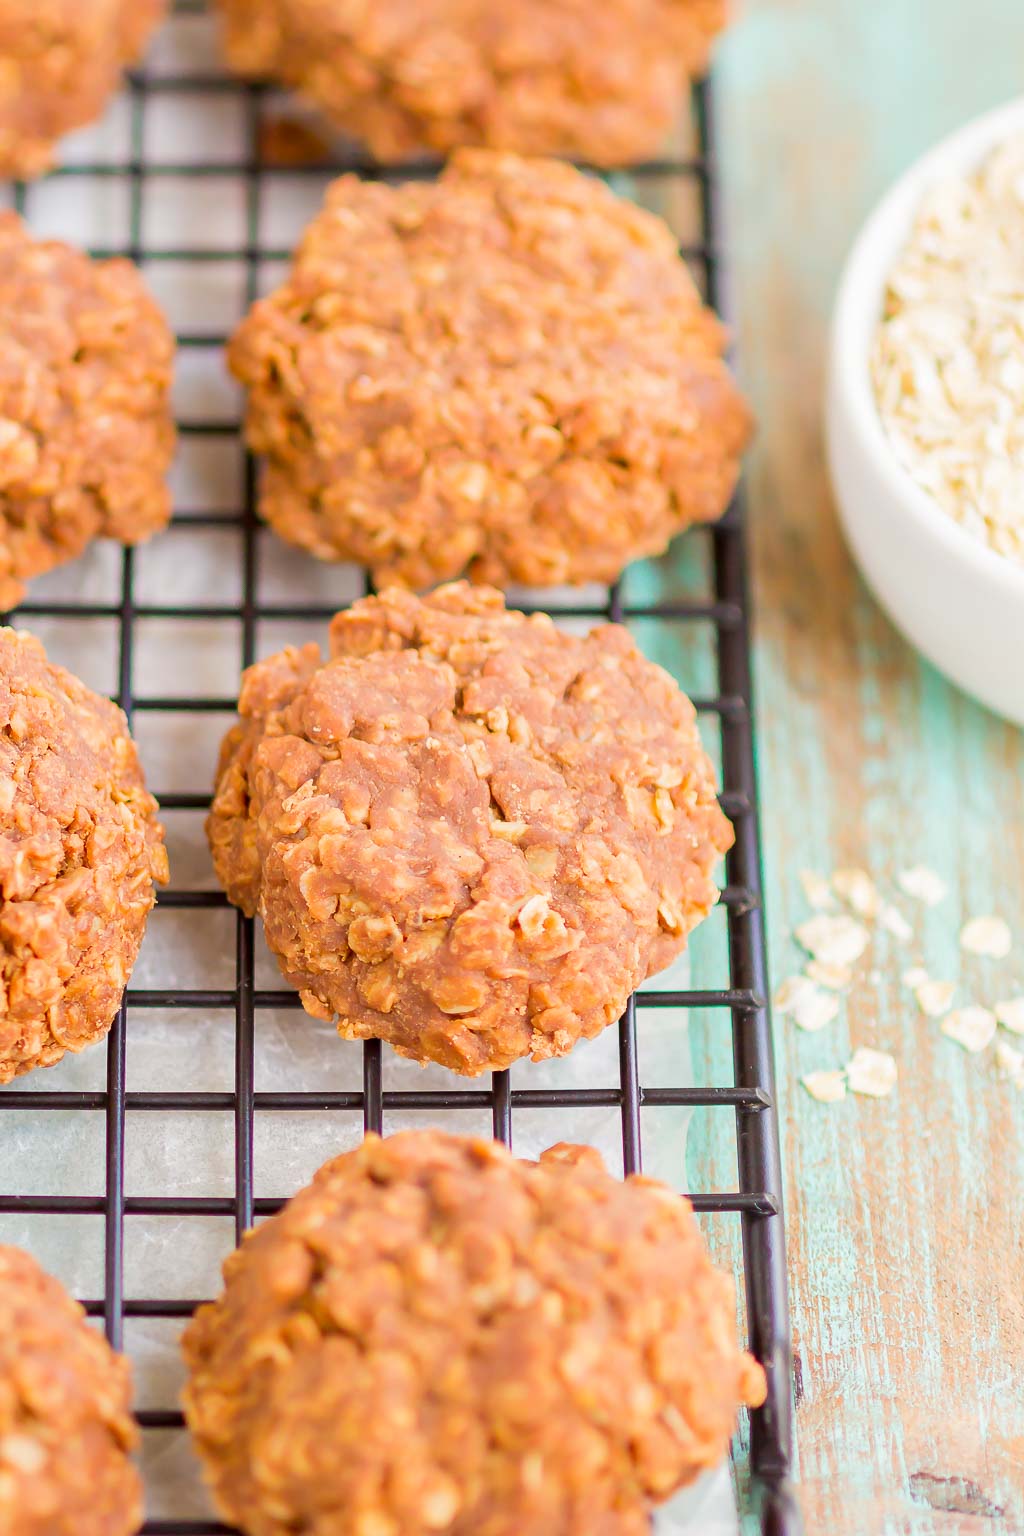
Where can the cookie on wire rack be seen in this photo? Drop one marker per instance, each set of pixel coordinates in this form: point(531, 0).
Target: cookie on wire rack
point(60, 62)
point(80, 850)
point(435, 1337)
point(66, 1428)
point(86, 428)
point(467, 832)
point(602, 82)
point(507, 373)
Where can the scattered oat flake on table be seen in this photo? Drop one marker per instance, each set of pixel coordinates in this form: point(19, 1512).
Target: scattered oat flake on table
point(972, 1027)
point(817, 890)
point(835, 939)
point(836, 977)
point(989, 936)
point(789, 992)
point(871, 1072)
point(923, 884)
point(892, 920)
point(1010, 1014)
point(826, 1087)
point(809, 1007)
point(858, 890)
point(814, 1012)
point(1010, 1063)
point(934, 997)
point(915, 977)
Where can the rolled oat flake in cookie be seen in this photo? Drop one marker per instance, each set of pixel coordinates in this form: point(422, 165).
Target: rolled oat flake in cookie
point(435, 1337)
point(80, 848)
point(66, 1430)
point(507, 373)
point(60, 62)
point(599, 81)
point(86, 432)
point(467, 832)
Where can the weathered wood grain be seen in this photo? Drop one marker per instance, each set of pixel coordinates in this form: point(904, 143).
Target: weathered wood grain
point(906, 1216)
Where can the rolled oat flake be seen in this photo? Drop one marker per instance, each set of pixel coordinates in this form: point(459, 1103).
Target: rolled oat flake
point(948, 359)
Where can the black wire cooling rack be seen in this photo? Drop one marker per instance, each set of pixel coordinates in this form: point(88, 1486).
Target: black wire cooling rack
point(750, 1098)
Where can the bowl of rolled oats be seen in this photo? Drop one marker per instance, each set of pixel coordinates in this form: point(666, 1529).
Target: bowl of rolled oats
point(925, 409)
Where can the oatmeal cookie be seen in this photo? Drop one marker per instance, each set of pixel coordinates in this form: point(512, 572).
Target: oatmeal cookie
point(467, 832)
point(436, 1337)
point(66, 1430)
point(603, 82)
point(86, 433)
point(80, 848)
point(60, 62)
point(507, 373)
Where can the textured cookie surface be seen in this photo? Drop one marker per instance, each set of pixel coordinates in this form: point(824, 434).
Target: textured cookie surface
point(86, 433)
point(602, 82)
point(507, 373)
point(80, 848)
point(60, 60)
point(467, 832)
point(66, 1428)
point(434, 1337)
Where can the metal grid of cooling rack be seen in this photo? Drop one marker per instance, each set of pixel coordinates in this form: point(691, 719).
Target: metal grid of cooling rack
point(756, 1203)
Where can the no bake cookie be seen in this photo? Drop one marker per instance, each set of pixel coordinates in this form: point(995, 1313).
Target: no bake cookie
point(603, 82)
point(86, 432)
point(467, 832)
point(435, 1337)
point(60, 62)
point(80, 848)
point(507, 373)
point(66, 1430)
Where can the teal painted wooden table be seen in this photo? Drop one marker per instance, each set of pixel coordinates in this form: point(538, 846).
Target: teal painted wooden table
point(906, 1215)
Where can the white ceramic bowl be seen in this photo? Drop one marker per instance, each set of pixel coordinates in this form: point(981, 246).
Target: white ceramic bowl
point(953, 597)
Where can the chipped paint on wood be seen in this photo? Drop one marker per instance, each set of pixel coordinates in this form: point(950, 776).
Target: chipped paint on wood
point(906, 1215)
